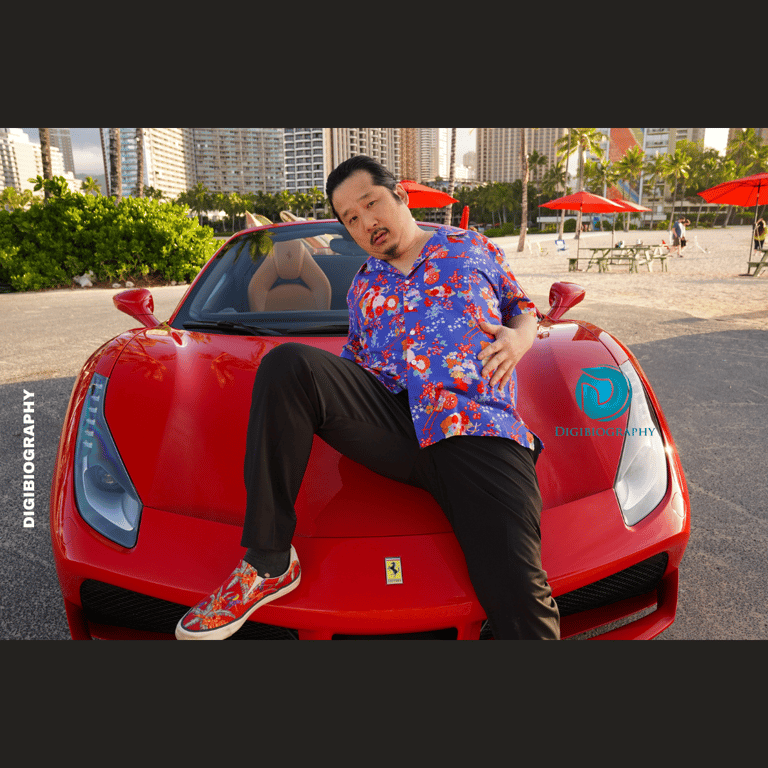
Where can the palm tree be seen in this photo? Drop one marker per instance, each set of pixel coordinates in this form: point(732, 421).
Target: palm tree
point(45, 151)
point(630, 169)
point(90, 186)
point(115, 169)
point(566, 153)
point(744, 150)
point(553, 181)
point(600, 176)
point(524, 205)
point(139, 162)
point(451, 176)
point(537, 163)
point(317, 196)
point(704, 173)
point(582, 140)
point(197, 199)
point(678, 167)
point(655, 169)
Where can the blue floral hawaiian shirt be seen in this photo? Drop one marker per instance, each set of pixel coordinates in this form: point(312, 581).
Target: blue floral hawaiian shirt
point(420, 332)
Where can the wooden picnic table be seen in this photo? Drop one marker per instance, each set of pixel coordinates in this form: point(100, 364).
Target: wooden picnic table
point(633, 255)
point(754, 268)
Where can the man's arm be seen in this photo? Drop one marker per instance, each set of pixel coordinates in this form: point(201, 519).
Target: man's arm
point(512, 341)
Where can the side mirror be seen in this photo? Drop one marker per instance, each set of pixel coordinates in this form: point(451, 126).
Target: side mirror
point(563, 296)
point(139, 304)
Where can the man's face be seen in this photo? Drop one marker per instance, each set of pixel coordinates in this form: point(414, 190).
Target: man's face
point(378, 221)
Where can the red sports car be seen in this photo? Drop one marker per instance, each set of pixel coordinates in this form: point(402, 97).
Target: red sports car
point(148, 497)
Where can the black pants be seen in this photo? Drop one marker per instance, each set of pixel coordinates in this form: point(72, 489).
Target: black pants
point(486, 486)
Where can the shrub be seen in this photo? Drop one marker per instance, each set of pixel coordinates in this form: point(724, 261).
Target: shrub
point(504, 230)
point(48, 244)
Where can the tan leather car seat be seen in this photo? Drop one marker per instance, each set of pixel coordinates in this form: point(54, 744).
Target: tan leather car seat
point(289, 260)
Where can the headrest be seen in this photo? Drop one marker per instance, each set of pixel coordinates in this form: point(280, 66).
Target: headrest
point(289, 258)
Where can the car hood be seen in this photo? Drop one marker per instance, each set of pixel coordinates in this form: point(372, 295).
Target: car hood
point(177, 405)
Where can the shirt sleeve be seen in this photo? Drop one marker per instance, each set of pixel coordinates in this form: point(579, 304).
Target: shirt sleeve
point(513, 300)
point(351, 350)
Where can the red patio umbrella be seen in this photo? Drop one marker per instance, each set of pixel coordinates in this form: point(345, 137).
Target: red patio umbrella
point(586, 202)
point(421, 196)
point(627, 206)
point(747, 191)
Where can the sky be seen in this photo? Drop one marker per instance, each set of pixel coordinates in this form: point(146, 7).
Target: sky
point(86, 145)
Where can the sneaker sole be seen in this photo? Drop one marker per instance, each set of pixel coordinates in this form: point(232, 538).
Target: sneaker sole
point(222, 633)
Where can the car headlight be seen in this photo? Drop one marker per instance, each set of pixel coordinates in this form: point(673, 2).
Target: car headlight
point(104, 493)
point(641, 480)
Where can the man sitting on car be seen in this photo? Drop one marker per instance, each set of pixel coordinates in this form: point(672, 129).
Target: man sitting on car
point(424, 392)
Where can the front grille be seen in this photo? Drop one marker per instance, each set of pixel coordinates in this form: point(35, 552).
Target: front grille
point(118, 607)
point(638, 579)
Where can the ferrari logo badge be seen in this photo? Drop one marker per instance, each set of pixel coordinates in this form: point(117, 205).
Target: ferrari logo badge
point(394, 570)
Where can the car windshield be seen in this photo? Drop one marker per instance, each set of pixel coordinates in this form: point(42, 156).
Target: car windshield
point(284, 279)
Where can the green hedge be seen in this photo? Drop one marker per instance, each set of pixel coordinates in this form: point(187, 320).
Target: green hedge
point(49, 244)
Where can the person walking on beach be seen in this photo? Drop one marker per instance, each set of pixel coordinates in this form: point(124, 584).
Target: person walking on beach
point(456, 434)
point(759, 235)
point(678, 235)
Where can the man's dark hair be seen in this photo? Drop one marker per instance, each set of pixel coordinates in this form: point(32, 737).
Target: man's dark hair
point(380, 176)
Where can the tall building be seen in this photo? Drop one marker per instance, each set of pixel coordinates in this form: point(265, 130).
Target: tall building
point(420, 153)
point(168, 159)
point(243, 160)
point(22, 160)
point(498, 151)
point(305, 159)
point(664, 140)
point(382, 144)
point(62, 140)
point(426, 155)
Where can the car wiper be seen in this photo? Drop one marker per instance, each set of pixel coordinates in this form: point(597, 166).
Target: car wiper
point(228, 325)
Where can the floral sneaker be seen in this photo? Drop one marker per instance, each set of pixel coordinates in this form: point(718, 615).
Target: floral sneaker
point(221, 614)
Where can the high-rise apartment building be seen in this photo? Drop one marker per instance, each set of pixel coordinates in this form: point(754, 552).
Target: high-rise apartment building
point(419, 153)
point(426, 155)
point(382, 144)
point(168, 159)
point(62, 140)
point(498, 151)
point(243, 160)
point(664, 140)
point(305, 159)
point(247, 160)
point(21, 160)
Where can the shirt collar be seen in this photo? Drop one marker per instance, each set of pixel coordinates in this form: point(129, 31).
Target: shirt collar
point(379, 265)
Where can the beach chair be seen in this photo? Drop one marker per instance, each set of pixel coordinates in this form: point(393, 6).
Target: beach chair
point(561, 246)
point(696, 243)
point(542, 251)
point(658, 254)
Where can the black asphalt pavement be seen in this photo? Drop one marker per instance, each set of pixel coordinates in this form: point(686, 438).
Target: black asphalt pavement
point(709, 376)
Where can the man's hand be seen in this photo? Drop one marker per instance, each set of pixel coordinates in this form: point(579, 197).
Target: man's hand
point(502, 355)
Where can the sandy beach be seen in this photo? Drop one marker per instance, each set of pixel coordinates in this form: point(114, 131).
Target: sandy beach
point(707, 282)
